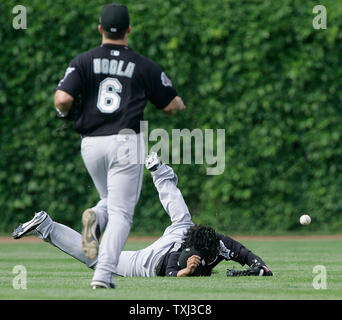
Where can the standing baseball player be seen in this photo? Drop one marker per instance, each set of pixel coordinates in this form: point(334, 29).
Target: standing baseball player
point(113, 84)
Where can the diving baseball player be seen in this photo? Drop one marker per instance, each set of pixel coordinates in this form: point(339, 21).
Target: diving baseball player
point(104, 91)
point(184, 249)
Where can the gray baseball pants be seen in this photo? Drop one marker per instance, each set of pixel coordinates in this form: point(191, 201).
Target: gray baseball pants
point(140, 263)
point(115, 164)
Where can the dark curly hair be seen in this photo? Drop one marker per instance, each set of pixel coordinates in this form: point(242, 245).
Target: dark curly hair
point(203, 239)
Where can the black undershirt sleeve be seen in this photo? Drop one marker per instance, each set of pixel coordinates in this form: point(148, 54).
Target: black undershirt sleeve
point(172, 267)
point(238, 252)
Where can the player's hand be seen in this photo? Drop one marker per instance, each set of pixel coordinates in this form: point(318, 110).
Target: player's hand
point(176, 105)
point(181, 105)
point(192, 263)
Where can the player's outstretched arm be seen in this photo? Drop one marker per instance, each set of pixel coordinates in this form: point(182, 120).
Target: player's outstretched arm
point(176, 105)
point(63, 102)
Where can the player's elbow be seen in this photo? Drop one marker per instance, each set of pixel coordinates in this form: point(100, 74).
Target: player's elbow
point(176, 105)
point(63, 100)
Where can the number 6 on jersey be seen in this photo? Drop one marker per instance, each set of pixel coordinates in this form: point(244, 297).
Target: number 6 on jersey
point(108, 99)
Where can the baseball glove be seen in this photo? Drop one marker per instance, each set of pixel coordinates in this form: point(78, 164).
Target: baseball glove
point(254, 270)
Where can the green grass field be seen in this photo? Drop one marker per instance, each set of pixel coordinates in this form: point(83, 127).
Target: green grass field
point(51, 274)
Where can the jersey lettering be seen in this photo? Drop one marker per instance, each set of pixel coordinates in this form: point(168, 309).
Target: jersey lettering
point(113, 67)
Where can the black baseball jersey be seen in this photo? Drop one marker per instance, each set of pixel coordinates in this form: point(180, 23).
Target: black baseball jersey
point(114, 84)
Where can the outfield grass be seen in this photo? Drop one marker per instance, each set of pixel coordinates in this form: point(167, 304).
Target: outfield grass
point(51, 274)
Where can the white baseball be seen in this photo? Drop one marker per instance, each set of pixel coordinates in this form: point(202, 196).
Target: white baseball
point(305, 219)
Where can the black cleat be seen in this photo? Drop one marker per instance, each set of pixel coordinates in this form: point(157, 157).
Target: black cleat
point(24, 228)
